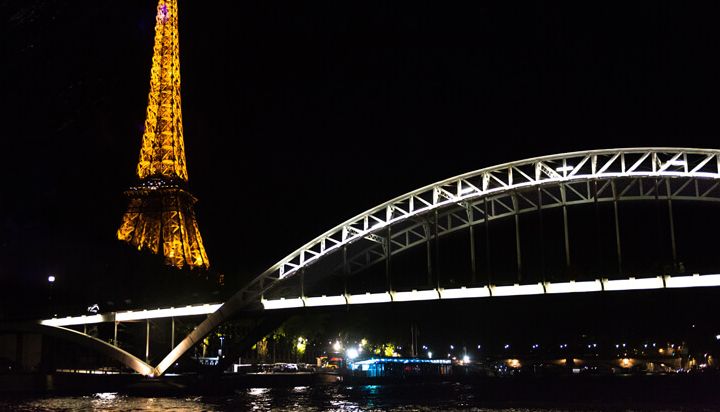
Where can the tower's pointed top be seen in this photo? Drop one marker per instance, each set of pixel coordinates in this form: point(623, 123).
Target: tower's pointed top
point(163, 152)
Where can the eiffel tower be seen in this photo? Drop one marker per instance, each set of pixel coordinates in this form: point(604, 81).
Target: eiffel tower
point(160, 215)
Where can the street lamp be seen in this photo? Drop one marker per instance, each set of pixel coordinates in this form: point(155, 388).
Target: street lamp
point(51, 282)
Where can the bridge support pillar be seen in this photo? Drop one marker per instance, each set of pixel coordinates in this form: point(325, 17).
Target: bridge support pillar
point(428, 249)
point(147, 340)
point(473, 266)
point(388, 257)
point(541, 238)
point(565, 227)
point(115, 333)
point(172, 333)
point(302, 284)
point(672, 226)
point(437, 251)
point(488, 263)
point(518, 251)
point(617, 226)
point(345, 270)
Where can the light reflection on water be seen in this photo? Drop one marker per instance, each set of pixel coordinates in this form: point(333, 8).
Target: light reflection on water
point(300, 398)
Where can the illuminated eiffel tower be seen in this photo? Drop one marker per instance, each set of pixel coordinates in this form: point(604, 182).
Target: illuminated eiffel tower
point(160, 215)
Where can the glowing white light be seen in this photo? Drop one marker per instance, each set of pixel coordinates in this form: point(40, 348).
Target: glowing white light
point(597, 285)
point(466, 359)
point(258, 391)
point(51, 279)
point(337, 346)
point(133, 315)
point(692, 281)
point(282, 303)
point(518, 290)
point(77, 320)
point(325, 301)
point(415, 295)
point(167, 313)
point(429, 355)
point(634, 284)
point(352, 353)
point(574, 287)
point(717, 337)
point(463, 292)
point(106, 395)
point(370, 298)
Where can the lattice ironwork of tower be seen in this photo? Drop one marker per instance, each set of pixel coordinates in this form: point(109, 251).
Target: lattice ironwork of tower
point(160, 215)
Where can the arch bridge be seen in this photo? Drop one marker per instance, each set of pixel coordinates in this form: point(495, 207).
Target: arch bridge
point(509, 190)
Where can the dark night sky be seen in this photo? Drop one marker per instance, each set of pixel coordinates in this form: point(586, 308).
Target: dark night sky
point(300, 115)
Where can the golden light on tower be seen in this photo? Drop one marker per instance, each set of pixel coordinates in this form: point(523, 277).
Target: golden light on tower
point(160, 215)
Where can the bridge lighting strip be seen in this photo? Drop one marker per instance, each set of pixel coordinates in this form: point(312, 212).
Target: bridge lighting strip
point(205, 309)
point(597, 285)
point(326, 301)
point(692, 281)
point(369, 298)
point(574, 287)
point(635, 284)
point(415, 295)
point(128, 316)
point(77, 320)
point(517, 290)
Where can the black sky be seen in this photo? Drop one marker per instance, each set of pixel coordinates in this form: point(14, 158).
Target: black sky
point(300, 115)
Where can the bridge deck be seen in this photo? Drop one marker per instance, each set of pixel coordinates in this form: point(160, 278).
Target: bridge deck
point(597, 285)
point(128, 316)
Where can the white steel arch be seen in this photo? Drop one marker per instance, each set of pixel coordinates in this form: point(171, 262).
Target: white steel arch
point(551, 195)
point(659, 163)
point(587, 166)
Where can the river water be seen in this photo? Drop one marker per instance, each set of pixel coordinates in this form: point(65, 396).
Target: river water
point(423, 397)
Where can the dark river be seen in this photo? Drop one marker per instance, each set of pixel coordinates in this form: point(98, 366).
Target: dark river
point(421, 397)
